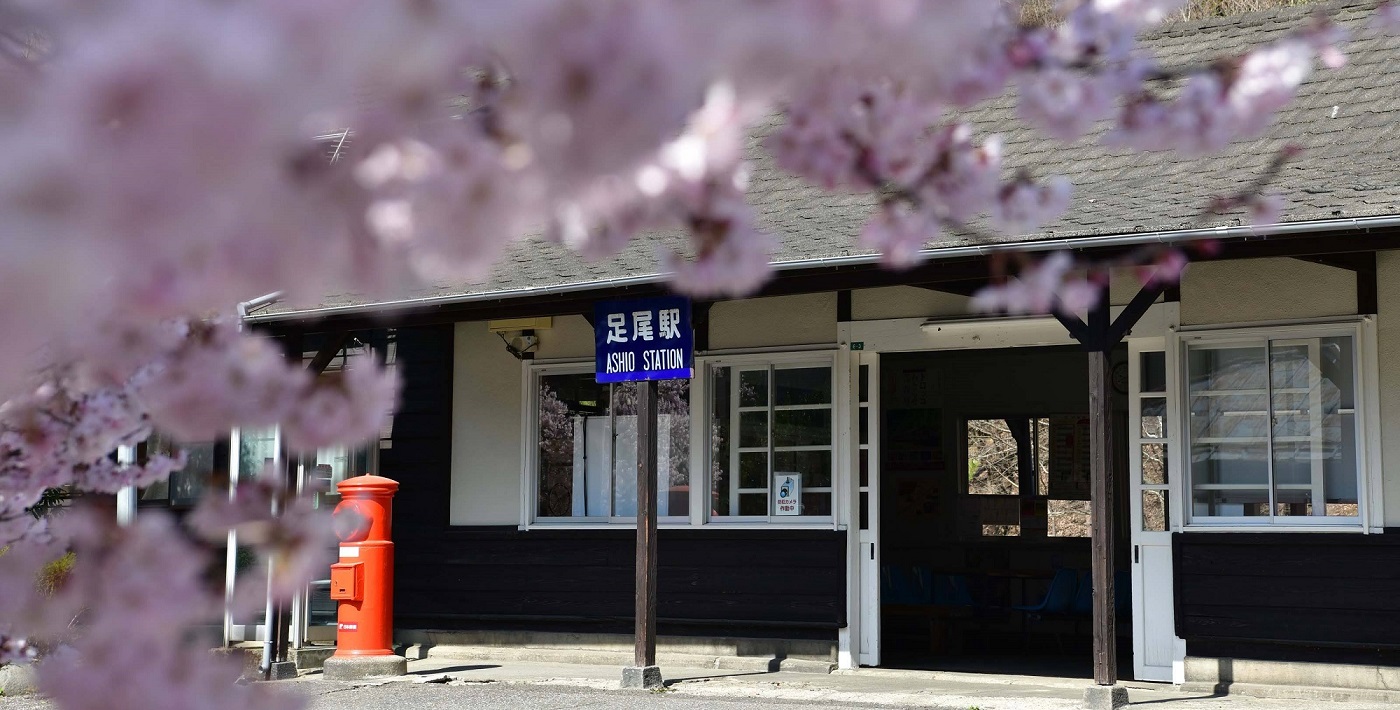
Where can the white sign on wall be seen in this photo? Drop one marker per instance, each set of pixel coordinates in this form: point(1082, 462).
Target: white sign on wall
point(788, 488)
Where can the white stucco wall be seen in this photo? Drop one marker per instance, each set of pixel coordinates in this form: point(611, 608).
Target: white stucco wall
point(570, 338)
point(1388, 337)
point(905, 302)
point(780, 320)
point(1263, 290)
point(486, 403)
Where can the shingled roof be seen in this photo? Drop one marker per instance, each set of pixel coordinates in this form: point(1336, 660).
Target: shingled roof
point(1347, 120)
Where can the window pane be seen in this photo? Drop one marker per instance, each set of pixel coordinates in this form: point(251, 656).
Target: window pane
point(1230, 503)
point(1229, 431)
point(865, 425)
point(1314, 441)
point(1067, 518)
point(864, 457)
point(1154, 418)
point(864, 510)
point(1001, 530)
point(1339, 468)
point(575, 447)
point(864, 383)
point(1229, 368)
point(672, 447)
point(775, 410)
point(802, 427)
point(625, 454)
point(1154, 371)
point(753, 388)
point(1042, 456)
point(1154, 511)
point(753, 504)
point(753, 470)
point(807, 385)
point(1154, 463)
point(185, 486)
point(720, 436)
point(992, 458)
point(753, 429)
point(257, 449)
point(816, 503)
point(814, 466)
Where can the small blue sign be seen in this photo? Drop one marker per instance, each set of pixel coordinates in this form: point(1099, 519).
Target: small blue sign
point(644, 339)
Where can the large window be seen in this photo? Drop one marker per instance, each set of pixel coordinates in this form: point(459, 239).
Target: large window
point(771, 439)
point(586, 447)
point(184, 487)
point(1273, 426)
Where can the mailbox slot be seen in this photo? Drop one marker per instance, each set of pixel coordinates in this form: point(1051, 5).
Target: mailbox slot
point(347, 581)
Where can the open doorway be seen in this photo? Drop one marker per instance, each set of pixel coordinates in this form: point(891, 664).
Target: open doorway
point(985, 512)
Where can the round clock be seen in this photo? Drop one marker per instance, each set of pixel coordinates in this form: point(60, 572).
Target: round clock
point(1120, 378)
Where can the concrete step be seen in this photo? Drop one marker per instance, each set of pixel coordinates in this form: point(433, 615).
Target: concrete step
point(1295, 692)
point(599, 657)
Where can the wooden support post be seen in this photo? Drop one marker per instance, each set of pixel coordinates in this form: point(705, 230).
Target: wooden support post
point(1101, 517)
point(646, 525)
point(1099, 337)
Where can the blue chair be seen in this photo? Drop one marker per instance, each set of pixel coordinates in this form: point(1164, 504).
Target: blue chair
point(898, 586)
point(1058, 597)
point(951, 590)
point(1084, 598)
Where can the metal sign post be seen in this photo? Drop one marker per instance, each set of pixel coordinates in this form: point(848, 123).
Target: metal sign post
point(645, 340)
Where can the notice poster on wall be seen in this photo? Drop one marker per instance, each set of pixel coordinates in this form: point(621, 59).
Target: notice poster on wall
point(789, 497)
point(998, 510)
point(917, 498)
point(1069, 458)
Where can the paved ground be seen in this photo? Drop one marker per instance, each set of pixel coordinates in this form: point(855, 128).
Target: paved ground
point(463, 684)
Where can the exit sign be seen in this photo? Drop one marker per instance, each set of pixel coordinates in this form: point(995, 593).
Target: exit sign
point(858, 345)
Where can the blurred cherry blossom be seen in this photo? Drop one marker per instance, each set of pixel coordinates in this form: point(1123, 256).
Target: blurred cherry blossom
point(164, 159)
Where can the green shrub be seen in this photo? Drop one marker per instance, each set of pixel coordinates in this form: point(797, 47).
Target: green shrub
point(55, 573)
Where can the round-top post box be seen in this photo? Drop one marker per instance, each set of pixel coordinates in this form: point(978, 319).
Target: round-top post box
point(362, 582)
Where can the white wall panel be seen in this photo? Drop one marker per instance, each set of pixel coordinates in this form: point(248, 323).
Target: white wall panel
point(486, 402)
point(1245, 290)
point(780, 320)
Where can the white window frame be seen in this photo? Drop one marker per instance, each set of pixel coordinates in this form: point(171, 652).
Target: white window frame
point(1362, 330)
point(530, 456)
point(775, 361)
point(700, 455)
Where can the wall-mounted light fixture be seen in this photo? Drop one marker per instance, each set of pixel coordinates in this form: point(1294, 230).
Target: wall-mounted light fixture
point(519, 334)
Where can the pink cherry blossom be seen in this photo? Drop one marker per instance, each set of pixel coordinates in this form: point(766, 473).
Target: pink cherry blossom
point(1387, 18)
point(1024, 205)
point(164, 159)
point(899, 232)
point(1044, 286)
point(1265, 209)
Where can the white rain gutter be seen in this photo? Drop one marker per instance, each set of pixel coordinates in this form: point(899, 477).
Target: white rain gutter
point(256, 303)
point(1117, 240)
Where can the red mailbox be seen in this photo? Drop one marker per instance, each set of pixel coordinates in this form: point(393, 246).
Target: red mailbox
point(363, 580)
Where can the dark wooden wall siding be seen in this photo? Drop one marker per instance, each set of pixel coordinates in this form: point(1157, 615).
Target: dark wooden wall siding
point(1289, 596)
point(782, 583)
point(420, 457)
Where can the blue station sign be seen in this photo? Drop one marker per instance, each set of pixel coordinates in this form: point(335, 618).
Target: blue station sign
point(643, 339)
